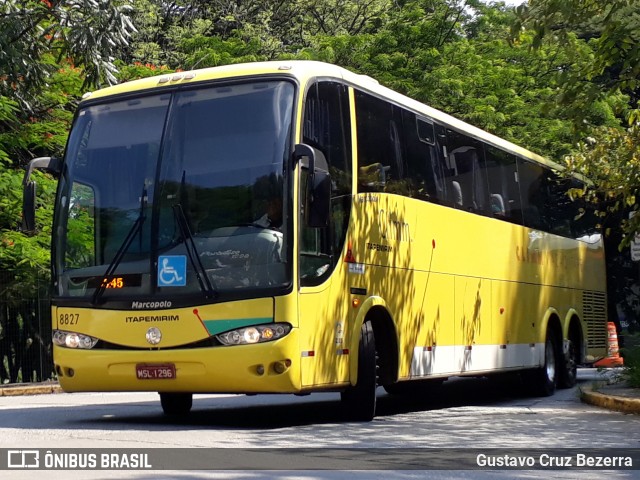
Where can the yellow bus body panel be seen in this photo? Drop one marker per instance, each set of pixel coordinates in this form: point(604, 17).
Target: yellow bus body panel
point(457, 283)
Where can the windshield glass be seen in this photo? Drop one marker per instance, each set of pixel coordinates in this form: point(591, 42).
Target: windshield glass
point(176, 193)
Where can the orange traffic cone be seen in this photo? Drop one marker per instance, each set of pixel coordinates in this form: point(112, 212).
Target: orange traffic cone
point(613, 358)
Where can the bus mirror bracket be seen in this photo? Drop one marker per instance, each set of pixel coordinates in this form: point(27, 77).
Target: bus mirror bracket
point(318, 206)
point(51, 164)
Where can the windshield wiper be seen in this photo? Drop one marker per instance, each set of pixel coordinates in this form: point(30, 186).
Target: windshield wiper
point(133, 231)
point(192, 251)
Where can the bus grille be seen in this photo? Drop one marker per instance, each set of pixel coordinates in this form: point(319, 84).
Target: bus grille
point(594, 310)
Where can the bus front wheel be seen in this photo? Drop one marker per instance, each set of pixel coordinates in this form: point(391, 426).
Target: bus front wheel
point(176, 404)
point(359, 400)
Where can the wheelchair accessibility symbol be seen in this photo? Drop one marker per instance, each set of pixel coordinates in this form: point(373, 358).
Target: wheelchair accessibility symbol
point(172, 271)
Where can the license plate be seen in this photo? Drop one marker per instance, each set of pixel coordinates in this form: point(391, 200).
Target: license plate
point(164, 371)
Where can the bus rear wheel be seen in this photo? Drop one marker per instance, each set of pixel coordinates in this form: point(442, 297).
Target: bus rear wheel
point(359, 400)
point(542, 381)
point(176, 404)
point(569, 372)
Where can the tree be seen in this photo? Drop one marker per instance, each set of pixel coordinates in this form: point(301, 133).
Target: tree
point(49, 51)
point(455, 56)
point(36, 34)
point(172, 33)
point(610, 30)
point(602, 38)
point(25, 343)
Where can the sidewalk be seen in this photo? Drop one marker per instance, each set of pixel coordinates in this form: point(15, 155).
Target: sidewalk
point(15, 389)
point(615, 396)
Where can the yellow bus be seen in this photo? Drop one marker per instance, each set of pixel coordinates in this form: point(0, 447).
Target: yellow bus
point(292, 227)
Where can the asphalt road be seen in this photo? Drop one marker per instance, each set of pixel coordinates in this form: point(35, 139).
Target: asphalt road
point(465, 416)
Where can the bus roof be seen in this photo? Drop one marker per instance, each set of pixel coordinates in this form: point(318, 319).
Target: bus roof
point(303, 70)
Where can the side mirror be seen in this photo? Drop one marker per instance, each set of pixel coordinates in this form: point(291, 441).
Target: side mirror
point(29, 207)
point(318, 188)
point(51, 164)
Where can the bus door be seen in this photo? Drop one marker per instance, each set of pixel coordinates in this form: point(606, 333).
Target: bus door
point(323, 293)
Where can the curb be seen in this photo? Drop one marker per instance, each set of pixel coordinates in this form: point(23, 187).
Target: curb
point(610, 402)
point(15, 390)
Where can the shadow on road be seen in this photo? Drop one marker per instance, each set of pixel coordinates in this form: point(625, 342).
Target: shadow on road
point(283, 411)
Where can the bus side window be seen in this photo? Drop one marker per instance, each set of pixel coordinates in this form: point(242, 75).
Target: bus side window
point(502, 175)
point(466, 173)
point(567, 216)
point(425, 167)
point(381, 163)
point(584, 221)
point(533, 194)
point(559, 209)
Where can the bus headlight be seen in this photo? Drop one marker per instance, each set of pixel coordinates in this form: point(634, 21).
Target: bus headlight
point(73, 340)
point(256, 334)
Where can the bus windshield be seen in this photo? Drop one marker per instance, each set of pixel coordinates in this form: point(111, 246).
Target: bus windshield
point(176, 193)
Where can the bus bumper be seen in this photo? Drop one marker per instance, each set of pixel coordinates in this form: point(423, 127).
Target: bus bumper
point(270, 367)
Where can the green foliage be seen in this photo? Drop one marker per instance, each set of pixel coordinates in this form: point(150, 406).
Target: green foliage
point(25, 255)
point(611, 159)
point(36, 34)
point(201, 51)
point(42, 133)
point(599, 88)
point(171, 34)
point(49, 51)
point(601, 36)
point(8, 110)
point(138, 70)
point(502, 89)
point(460, 61)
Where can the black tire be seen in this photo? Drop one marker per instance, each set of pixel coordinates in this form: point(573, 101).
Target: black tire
point(176, 404)
point(359, 400)
point(542, 381)
point(569, 372)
